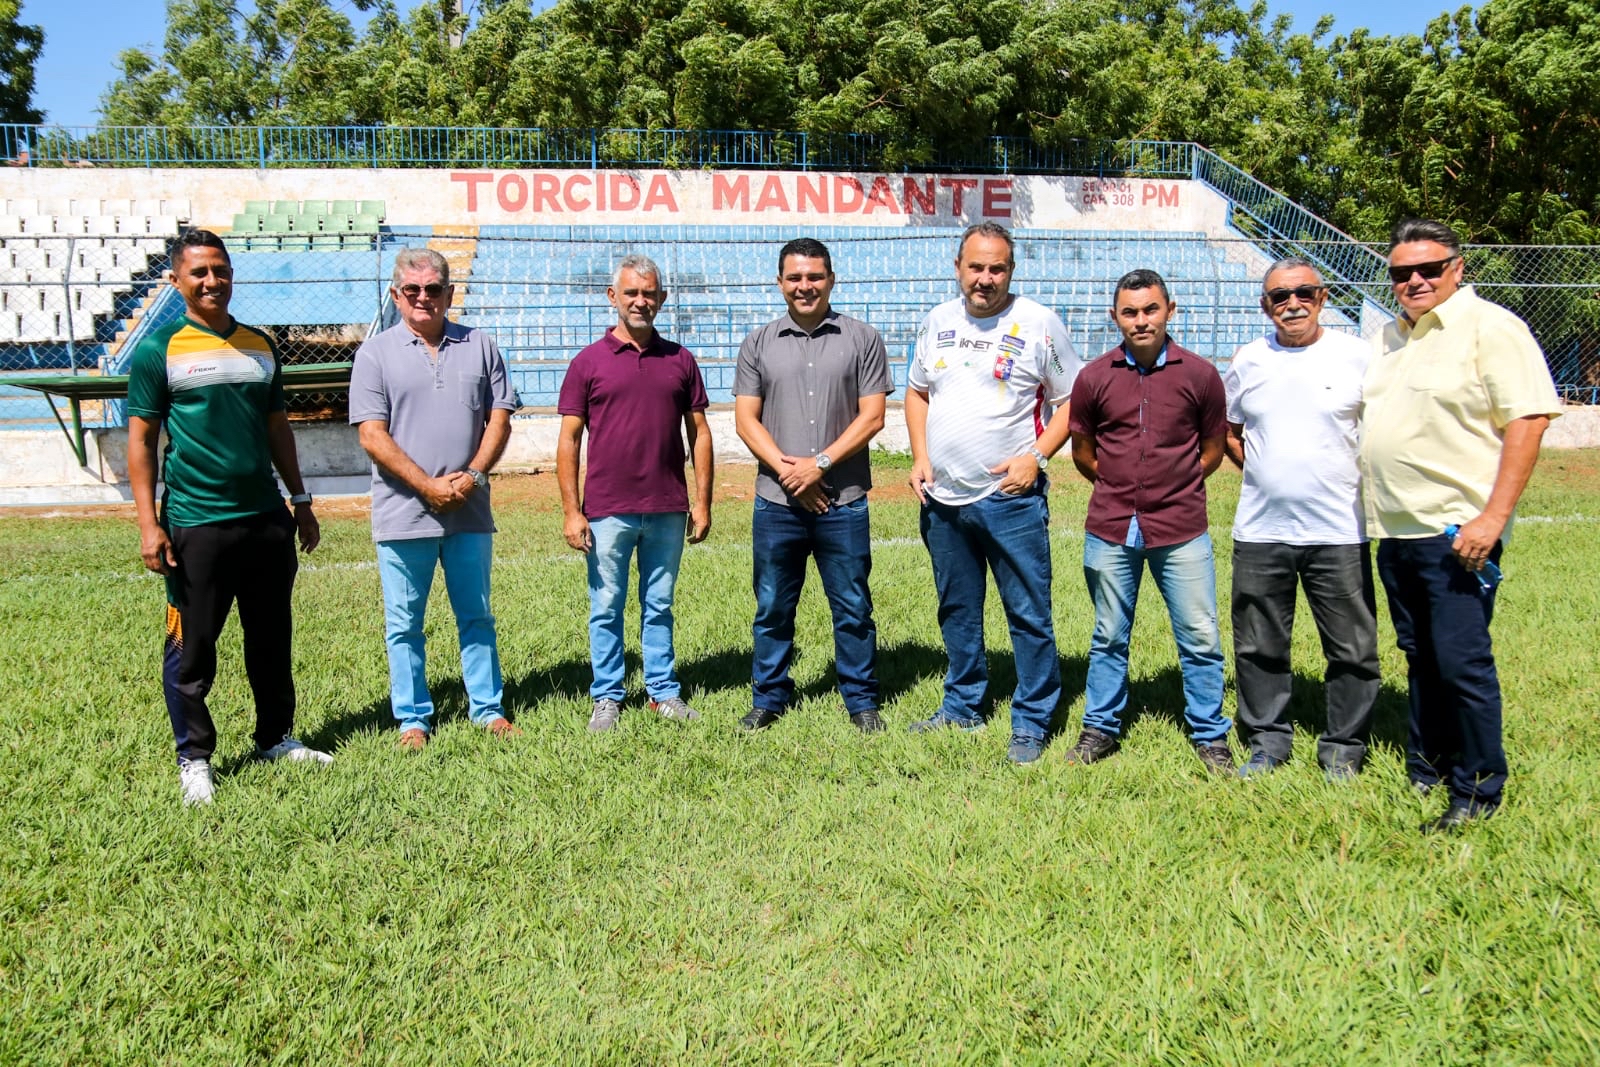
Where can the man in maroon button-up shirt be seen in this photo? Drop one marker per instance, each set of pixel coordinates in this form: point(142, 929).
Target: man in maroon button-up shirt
point(1148, 423)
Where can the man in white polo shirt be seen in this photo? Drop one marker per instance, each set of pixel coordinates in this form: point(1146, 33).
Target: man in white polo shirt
point(989, 373)
point(1294, 405)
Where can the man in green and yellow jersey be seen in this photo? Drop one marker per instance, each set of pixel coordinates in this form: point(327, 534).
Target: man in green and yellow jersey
point(222, 533)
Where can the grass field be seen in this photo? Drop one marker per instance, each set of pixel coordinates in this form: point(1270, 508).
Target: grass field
point(686, 893)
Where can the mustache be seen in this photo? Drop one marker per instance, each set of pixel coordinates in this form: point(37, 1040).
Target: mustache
point(1294, 314)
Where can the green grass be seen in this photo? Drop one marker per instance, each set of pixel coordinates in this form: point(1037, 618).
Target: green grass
point(675, 892)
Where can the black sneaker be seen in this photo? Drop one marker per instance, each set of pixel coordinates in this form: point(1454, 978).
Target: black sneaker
point(867, 721)
point(1093, 746)
point(1217, 757)
point(760, 719)
point(1459, 813)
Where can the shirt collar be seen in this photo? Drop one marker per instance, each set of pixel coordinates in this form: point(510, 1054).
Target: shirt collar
point(617, 345)
point(452, 333)
point(1450, 311)
point(1161, 357)
point(828, 324)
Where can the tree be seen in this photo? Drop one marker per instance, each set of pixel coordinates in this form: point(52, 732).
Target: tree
point(19, 51)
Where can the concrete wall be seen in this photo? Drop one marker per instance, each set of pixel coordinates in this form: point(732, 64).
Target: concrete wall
point(40, 468)
point(435, 197)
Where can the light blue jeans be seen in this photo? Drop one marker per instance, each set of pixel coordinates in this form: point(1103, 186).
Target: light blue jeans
point(658, 540)
point(406, 570)
point(1187, 579)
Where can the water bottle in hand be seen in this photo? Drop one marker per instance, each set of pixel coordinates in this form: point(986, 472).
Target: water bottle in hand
point(1490, 576)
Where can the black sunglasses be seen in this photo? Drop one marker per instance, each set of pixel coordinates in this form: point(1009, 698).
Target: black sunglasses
point(434, 291)
point(1429, 271)
point(1303, 293)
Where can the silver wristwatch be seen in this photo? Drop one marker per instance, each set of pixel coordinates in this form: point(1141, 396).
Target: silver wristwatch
point(300, 498)
point(1040, 456)
point(824, 462)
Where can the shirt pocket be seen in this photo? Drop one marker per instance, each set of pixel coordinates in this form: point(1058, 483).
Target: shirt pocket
point(470, 388)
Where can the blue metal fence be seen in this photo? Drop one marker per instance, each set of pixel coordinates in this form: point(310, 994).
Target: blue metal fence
point(432, 146)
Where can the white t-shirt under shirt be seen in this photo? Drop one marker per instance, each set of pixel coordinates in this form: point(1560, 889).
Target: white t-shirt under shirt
point(1300, 409)
point(992, 385)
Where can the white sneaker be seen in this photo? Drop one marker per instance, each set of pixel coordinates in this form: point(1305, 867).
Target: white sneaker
point(194, 778)
point(290, 749)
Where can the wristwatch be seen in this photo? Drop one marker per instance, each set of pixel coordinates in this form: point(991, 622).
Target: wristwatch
point(824, 462)
point(479, 479)
point(300, 498)
point(1040, 456)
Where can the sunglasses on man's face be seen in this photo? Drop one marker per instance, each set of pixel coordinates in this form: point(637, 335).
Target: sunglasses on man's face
point(1429, 271)
point(1303, 293)
point(434, 291)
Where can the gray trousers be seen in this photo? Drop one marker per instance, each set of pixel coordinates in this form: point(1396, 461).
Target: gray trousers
point(1338, 586)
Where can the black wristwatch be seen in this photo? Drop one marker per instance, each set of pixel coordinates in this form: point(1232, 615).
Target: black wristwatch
point(479, 479)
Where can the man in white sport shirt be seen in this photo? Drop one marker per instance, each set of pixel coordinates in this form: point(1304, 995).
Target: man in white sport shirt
point(1294, 408)
point(989, 373)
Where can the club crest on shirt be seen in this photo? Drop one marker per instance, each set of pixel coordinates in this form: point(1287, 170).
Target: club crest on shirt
point(1003, 365)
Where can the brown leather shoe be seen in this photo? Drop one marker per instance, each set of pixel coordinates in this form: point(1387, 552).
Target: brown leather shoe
point(413, 740)
point(502, 728)
point(1093, 746)
point(1217, 757)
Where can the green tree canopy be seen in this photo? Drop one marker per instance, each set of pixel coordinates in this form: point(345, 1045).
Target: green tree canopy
point(1487, 120)
point(19, 51)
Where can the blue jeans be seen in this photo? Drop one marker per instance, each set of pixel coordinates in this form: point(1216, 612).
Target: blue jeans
point(1441, 622)
point(406, 571)
point(658, 539)
point(1009, 536)
point(840, 540)
point(1187, 579)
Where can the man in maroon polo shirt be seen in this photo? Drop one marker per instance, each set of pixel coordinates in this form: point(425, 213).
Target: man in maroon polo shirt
point(1148, 423)
point(631, 390)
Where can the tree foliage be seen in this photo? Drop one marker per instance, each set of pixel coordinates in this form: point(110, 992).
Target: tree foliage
point(19, 52)
point(1489, 119)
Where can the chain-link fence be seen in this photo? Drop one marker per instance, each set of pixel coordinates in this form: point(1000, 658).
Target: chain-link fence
point(77, 304)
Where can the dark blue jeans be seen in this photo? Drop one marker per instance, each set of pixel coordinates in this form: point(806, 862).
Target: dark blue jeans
point(1008, 536)
point(840, 540)
point(1441, 622)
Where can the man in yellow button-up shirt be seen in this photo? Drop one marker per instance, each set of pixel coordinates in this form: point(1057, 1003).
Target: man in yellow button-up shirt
point(1456, 400)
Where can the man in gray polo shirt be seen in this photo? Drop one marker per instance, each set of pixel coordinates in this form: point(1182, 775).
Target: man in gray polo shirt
point(433, 404)
point(809, 396)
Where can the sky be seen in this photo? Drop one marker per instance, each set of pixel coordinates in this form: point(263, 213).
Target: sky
point(84, 37)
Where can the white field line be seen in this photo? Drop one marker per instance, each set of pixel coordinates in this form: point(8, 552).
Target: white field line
point(727, 548)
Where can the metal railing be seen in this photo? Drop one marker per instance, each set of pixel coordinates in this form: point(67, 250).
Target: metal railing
point(433, 146)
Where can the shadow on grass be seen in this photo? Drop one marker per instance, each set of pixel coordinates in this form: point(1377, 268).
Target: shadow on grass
point(1391, 713)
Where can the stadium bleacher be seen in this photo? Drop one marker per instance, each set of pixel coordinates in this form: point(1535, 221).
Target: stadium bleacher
point(540, 289)
point(72, 272)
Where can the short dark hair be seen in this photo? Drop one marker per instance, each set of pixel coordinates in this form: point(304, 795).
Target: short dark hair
point(198, 239)
point(987, 229)
point(1407, 230)
point(1143, 278)
point(806, 248)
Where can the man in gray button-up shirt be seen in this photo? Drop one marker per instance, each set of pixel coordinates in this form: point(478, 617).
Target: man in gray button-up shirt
point(433, 404)
point(809, 396)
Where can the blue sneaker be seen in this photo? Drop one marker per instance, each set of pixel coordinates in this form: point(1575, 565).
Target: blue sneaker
point(1024, 749)
point(941, 721)
point(1260, 764)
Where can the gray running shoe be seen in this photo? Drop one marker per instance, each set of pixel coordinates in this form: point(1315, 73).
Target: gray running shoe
point(604, 716)
point(674, 708)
